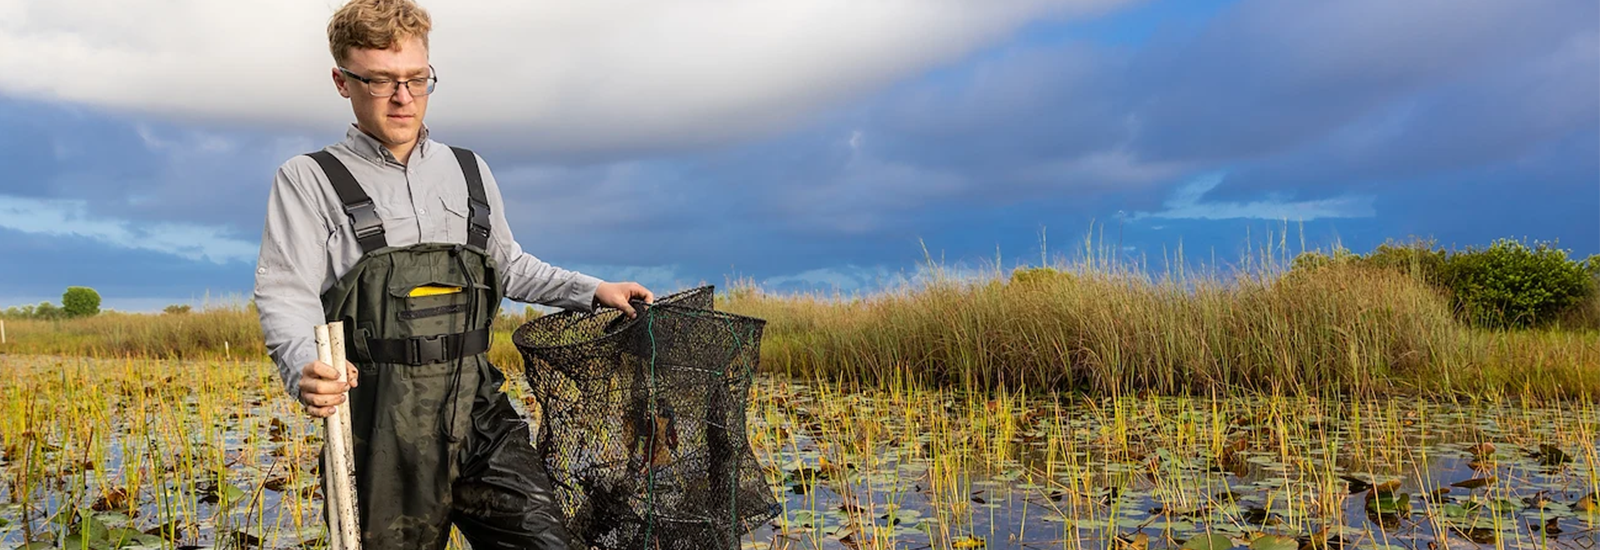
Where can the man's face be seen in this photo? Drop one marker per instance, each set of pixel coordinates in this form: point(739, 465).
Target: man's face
point(397, 119)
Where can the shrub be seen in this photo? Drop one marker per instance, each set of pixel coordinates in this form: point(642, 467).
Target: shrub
point(47, 310)
point(1512, 285)
point(1314, 260)
point(1421, 259)
point(80, 301)
point(1308, 261)
point(176, 309)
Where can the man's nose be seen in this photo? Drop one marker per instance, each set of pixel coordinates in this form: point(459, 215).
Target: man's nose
point(402, 95)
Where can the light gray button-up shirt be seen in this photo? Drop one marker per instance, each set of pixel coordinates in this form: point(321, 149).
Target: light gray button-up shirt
point(308, 243)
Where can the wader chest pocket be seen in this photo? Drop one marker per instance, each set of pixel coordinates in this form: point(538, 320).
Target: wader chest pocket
point(436, 288)
point(432, 308)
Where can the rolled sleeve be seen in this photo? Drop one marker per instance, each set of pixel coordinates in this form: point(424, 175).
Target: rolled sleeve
point(289, 272)
point(524, 277)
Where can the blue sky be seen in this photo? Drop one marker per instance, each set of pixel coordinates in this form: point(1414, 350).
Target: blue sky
point(817, 145)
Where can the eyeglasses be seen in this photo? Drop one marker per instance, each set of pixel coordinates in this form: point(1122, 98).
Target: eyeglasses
point(385, 87)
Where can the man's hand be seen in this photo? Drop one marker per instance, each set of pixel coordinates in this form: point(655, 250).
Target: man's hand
point(320, 388)
point(617, 295)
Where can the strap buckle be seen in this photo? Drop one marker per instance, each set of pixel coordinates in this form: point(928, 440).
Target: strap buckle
point(364, 219)
point(424, 350)
point(478, 219)
point(416, 351)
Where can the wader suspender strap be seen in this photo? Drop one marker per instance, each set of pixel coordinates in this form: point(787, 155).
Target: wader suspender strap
point(363, 215)
point(477, 202)
point(421, 350)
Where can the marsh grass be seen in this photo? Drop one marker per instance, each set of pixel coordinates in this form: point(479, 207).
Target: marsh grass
point(1100, 324)
point(138, 453)
point(912, 467)
point(217, 331)
point(1102, 329)
point(166, 453)
point(135, 452)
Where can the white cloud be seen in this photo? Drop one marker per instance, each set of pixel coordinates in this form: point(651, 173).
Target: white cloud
point(847, 279)
point(660, 279)
point(1185, 203)
point(71, 218)
point(851, 279)
point(592, 75)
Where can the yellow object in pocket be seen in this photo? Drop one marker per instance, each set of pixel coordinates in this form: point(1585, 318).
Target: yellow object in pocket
point(431, 290)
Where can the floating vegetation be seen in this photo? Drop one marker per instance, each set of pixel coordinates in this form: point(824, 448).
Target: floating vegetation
point(907, 468)
point(152, 454)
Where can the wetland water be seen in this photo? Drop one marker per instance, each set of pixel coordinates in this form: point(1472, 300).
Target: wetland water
point(147, 454)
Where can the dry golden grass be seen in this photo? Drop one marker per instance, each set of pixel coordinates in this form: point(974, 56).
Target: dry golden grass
point(1338, 329)
point(1088, 327)
point(217, 331)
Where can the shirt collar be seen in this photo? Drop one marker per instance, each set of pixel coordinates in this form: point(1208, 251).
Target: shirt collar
point(370, 148)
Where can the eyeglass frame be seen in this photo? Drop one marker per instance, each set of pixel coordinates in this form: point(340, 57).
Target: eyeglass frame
point(433, 75)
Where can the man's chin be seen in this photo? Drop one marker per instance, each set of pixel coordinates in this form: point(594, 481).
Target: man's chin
point(398, 136)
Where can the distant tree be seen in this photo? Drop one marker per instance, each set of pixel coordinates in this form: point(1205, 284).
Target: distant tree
point(80, 301)
point(176, 309)
point(46, 310)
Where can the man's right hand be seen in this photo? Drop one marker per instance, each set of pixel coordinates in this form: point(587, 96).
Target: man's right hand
point(320, 388)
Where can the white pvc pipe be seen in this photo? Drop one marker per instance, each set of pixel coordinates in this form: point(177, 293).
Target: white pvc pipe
point(338, 456)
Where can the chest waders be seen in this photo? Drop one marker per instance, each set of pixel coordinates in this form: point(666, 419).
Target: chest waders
point(436, 441)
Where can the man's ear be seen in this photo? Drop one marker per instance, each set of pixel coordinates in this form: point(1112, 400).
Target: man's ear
point(340, 83)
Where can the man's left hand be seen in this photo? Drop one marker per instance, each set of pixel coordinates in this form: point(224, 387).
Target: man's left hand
point(617, 295)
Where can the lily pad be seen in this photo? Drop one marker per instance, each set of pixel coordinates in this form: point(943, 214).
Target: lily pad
point(1207, 542)
point(1474, 483)
point(1389, 503)
point(1274, 542)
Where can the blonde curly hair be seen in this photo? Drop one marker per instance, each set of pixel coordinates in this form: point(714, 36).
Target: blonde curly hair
point(375, 25)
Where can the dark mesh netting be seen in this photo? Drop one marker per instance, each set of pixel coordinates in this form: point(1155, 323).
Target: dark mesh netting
point(643, 422)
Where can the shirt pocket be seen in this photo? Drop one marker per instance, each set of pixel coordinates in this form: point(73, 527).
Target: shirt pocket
point(455, 218)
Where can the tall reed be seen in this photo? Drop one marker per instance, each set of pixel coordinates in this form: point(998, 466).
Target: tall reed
point(1114, 331)
point(1094, 325)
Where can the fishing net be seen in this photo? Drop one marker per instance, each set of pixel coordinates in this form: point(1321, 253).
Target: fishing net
point(643, 422)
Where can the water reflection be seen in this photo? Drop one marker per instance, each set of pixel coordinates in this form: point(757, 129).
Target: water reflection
point(146, 461)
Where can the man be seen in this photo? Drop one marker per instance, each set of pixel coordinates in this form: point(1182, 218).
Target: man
point(405, 239)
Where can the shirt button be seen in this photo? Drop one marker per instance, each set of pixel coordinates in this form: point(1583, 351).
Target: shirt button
point(423, 211)
point(261, 270)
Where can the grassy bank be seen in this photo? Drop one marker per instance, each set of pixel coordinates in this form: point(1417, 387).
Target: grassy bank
point(1338, 329)
point(218, 332)
point(1085, 327)
point(215, 332)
